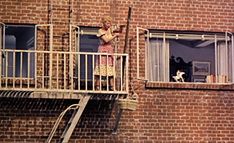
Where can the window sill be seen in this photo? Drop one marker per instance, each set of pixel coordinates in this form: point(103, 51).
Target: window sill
point(189, 86)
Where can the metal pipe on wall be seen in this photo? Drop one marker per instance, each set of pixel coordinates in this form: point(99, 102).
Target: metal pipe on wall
point(50, 12)
point(70, 11)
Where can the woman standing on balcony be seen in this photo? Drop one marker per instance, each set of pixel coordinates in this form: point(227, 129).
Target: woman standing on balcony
point(104, 64)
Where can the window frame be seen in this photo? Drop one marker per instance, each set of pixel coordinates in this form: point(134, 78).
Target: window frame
point(15, 51)
point(167, 34)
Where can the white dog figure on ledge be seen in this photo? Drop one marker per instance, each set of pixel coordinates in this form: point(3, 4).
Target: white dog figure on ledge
point(179, 76)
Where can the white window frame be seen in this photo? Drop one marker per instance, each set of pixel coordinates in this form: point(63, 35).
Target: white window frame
point(225, 37)
point(3, 52)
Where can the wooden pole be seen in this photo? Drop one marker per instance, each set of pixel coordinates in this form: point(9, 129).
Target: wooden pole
point(127, 29)
point(123, 67)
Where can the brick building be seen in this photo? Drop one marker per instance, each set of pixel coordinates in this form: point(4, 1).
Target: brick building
point(48, 50)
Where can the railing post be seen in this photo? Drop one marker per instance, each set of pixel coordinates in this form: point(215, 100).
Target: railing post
point(64, 72)
point(138, 52)
point(51, 56)
point(13, 69)
point(29, 68)
point(70, 58)
point(35, 60)
point(21, 69)
point(127, 79)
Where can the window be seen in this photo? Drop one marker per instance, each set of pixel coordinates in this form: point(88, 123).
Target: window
point(87, 42)
point(88, 56)
point(202, 57)
point(16, 63)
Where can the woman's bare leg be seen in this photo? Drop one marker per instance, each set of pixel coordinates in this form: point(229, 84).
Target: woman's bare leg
point(97, 82)
point(111, 83)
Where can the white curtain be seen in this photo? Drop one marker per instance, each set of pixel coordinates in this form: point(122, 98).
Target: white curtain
point(158, 60)
point(222, 62)
point(224, 59)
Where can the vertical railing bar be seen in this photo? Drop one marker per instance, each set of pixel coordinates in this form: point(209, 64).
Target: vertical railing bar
point(78, 50)
point(71, 70)
point(137, 46)
point(14, 69)
point(51, 56)
point(79, 71)
point(57, 72)
point(70, 58)
point(64, 72)
point(100, 76)
point(35, 60)
point(107, 76)
point(114, 69)
point(75, 57)
point(28, 69)
point(21, 69)
point(121, 73)
point(126, 73)
point(93, 78)
point(86, 72)
point(35, 68)
point(43, 69)
point(6, 70)
point(51, 70)
point(70, 35)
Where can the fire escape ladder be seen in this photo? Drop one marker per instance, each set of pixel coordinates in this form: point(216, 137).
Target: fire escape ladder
point(69, 128)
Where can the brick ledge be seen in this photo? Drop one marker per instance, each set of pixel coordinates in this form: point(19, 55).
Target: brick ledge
point(190, 86)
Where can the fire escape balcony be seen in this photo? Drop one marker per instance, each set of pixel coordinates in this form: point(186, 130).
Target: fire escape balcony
point(60, 72)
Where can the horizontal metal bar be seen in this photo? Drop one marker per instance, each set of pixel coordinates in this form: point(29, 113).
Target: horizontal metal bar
point(65, 90)
point(187, 36)
point(63, 52)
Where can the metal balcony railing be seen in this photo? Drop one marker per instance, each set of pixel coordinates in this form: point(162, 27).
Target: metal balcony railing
point(57, 71)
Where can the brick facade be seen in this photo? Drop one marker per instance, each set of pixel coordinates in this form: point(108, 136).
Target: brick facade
point(167, 112)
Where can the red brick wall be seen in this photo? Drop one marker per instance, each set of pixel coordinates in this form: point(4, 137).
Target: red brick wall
point(166, 112)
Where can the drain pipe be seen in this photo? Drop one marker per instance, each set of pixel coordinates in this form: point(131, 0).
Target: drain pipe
point(50, 12)
point(70, 11)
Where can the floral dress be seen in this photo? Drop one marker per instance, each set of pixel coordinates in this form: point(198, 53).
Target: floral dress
point(104, 63)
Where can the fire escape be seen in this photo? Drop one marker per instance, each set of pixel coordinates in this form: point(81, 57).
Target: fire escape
point(58, 74)
point(45, 72)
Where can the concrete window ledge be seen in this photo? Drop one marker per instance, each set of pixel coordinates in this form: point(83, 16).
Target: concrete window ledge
point(189, 86)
